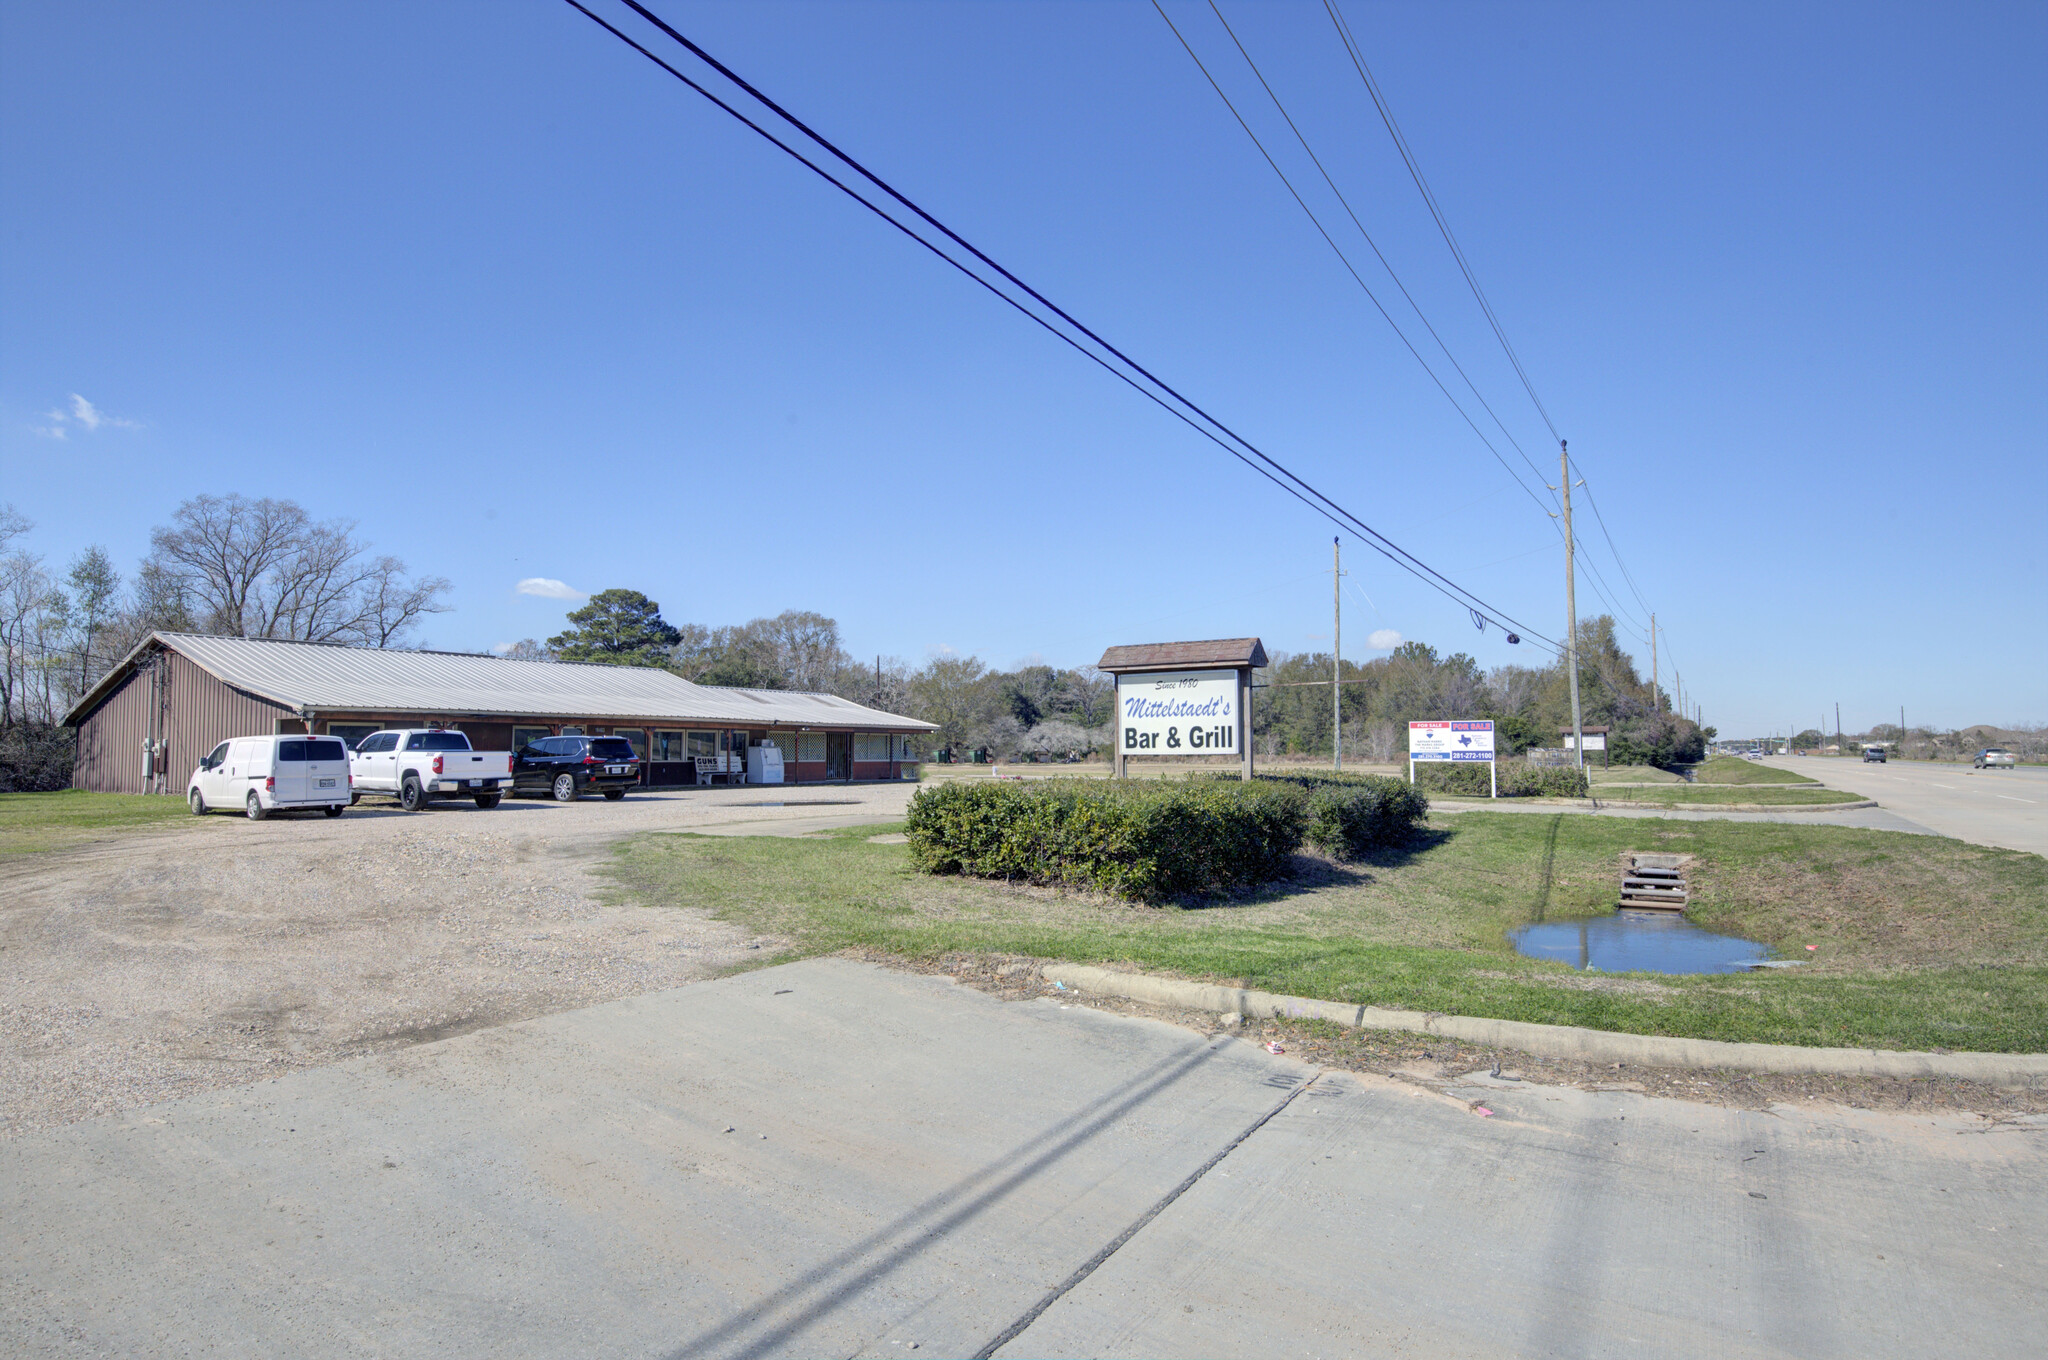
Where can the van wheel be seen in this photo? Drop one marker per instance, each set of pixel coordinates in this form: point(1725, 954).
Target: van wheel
point(354, 798)
point(411, 796)
point(488, 800)
point(565, 788)
point(198, 803)
point(335, 809)
point(614, 795)
point(257, 812)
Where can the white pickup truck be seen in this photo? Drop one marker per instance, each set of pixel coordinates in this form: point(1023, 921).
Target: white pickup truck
point(417, 765)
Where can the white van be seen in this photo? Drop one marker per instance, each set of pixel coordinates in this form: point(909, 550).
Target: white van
point(262, 775)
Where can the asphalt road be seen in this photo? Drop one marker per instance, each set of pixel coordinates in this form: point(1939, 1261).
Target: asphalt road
point(831, 1158)
point(2007, 808)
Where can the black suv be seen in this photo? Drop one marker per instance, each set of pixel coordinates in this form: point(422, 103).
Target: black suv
point(566, 766)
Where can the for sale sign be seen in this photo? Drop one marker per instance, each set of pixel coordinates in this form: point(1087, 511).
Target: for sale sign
point(1451, 740)
point(1177, 713)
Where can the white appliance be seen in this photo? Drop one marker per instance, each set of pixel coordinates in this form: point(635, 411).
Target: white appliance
point(764, 764)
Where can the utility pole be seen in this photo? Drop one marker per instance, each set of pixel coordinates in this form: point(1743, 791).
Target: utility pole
point(1656, 694)
point(1571, 606)
point(1337, 653)
point(1838, 724)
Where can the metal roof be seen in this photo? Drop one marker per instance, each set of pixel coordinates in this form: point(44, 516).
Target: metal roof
point(329, 679)
point(1184, 656)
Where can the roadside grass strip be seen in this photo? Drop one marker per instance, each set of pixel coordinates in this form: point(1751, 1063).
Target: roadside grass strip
point(1922, 942)
point(1723, 795)
point(1731, 770)
point(31, 822)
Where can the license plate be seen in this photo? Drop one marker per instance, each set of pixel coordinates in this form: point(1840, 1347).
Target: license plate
point(476, 783)
point(614, 769)
point(327, 783)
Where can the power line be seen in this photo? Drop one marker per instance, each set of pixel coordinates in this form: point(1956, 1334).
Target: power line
point(1331, 242)
point(1348, 211)
point(1372, 537)
point(1429, 199)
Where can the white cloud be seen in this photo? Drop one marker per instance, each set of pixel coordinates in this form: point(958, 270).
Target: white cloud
point(550, 589)
point(83, 414)
point(1383, 639)
point(941, 649)
point(500, 648)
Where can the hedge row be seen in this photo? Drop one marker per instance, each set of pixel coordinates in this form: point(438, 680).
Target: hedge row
point(1518, 779)
point(1351, 814)
point(1148, 841)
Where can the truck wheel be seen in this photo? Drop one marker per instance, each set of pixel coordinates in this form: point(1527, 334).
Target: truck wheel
point(487, 800)
point(411, 796)
point(257, 812)
point(335, 809)
point(198, 803)
point(565, 788)
point(614, 795)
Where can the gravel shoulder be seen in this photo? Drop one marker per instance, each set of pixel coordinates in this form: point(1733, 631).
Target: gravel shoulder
point(156, 963)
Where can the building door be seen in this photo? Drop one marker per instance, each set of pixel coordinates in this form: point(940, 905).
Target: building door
point(837, 765)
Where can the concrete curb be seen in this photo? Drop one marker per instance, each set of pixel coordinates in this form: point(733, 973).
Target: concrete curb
point(1565, 1041)
point(1595, 804)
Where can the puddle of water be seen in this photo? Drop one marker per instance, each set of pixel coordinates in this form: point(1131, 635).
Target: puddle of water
point(823, 802)
point(1644, 941)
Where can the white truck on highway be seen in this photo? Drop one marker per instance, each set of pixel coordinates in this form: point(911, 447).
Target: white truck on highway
point(418, 765)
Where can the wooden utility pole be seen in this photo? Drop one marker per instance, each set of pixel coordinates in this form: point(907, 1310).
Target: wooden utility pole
point(1337, 655)
point(1571, 605)
point(1656, 694)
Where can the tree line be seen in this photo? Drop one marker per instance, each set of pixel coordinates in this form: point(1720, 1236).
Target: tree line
point(224, 565)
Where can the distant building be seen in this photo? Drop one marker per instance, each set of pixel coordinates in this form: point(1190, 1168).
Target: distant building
point(146, 725)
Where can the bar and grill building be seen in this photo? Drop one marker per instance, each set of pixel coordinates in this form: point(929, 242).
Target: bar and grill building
point(146, 724)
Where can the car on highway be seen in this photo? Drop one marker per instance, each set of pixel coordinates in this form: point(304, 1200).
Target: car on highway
point(1875, 753)
point(1994, 758)
point(566, 767)
point(262, 775)
point(418, 765)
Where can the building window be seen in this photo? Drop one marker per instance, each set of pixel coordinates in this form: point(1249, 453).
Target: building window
point(703, 745)
point(810, 746)
point(351, 732)
point(904, 749)
point(871, 746)
point(572, 731)
point(668, 745)
point(637, 736)
point(784, 742)
point(523, 737)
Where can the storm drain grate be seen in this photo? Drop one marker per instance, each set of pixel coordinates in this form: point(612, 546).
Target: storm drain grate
point(1654, 881)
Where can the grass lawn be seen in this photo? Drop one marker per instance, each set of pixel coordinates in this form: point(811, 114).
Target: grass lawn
point(1733, 770)
point(1709, 795)
point(43, 821)
point(1631, 774)
point(1923, 942)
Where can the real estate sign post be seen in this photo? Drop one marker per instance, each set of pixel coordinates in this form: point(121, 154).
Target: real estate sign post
point(1452, 740)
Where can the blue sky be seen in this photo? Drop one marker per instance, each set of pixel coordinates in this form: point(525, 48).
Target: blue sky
point(477, 277)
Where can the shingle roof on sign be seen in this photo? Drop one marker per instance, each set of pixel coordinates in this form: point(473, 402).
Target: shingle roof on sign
point(1175, 656)
point(334, 678)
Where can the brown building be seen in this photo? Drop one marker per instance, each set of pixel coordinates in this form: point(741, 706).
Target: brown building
point(145, 726)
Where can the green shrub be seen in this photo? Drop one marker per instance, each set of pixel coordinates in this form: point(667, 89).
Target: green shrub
point(1347, 819)
point(1349, 814)
point(1147, 841)
point(1517, 779)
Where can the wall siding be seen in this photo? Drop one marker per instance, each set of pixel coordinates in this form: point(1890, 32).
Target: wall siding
point(199, 713)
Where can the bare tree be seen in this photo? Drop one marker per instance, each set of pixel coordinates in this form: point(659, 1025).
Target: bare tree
point(267, 569)
point(527, 649)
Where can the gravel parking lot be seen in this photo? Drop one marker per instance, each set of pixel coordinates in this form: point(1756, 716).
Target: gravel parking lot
point(156, 964)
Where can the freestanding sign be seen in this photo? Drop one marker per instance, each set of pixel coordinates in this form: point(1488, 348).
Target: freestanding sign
point(1177, 713)
point(1184, 699)
point(1452, 740)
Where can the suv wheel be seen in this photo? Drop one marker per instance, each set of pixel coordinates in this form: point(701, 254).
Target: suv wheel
point(411, 796)
point(565, 788)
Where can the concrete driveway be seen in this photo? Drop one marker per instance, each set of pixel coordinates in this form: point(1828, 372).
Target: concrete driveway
point(831, 1158)
point(2007, 808)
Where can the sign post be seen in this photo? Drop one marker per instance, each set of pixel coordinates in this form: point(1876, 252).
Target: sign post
point(1183, 699)
point(1452, 740)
